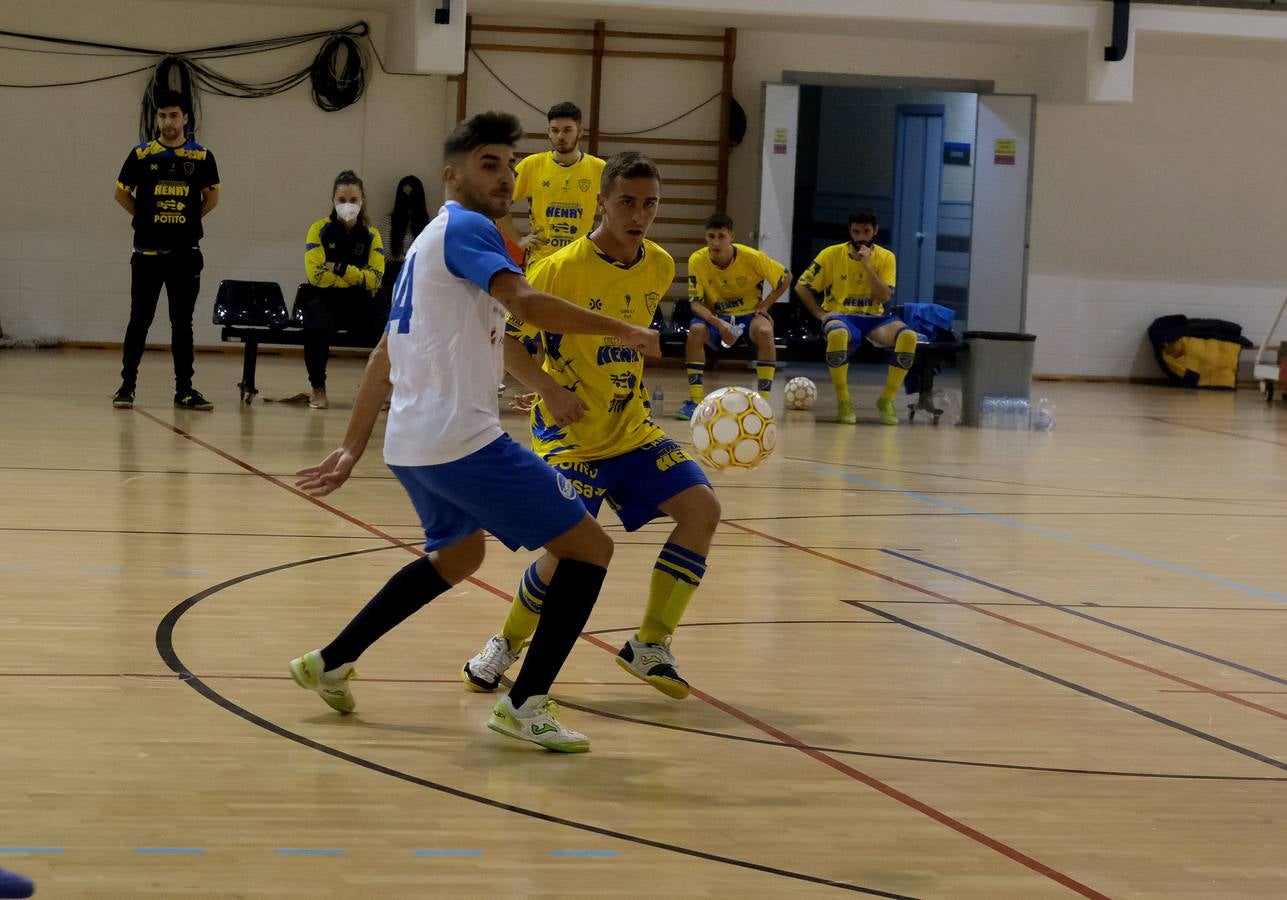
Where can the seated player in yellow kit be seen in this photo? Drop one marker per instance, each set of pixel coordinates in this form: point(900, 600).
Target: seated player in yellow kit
point(855, 280)
point(724, 286)
point(560, 186)
point(593, 424)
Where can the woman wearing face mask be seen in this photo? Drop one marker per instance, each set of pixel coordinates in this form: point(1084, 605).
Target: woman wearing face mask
point(344, 262)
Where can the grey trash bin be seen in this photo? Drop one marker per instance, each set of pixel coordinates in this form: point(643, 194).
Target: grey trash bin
point(997, 364)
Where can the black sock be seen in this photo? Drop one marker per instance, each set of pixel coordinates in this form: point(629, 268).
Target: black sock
point(568, 601)
point(411, 588)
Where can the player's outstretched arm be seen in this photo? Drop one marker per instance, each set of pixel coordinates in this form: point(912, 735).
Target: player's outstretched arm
point(330, 473)
point(550, 313)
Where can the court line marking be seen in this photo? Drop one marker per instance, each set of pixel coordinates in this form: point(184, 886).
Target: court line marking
point(1035, 629)
point(1046, 532)
point(1134, 632)
point(165, 647)
point(1072, 685)
point(942, 818)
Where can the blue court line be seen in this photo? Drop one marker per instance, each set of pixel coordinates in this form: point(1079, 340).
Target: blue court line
point(31, 849)
point(171, 850)
point(1074, 686)
point(299, 851)
point(1210, 657)
point(598, 853)
point(447, 852)
point(1046, 532)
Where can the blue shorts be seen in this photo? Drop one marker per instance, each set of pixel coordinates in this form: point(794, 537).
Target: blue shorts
point(713, 339)
point(859, 326)
point(504, 488)
point(635, 483)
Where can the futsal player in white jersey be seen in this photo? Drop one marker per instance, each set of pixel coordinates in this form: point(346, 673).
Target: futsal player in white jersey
point(442, 352)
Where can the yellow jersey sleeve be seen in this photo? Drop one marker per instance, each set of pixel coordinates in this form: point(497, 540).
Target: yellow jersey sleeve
point(885, 265)
point(315, 258)
point(768, 268)
point(523, 178)
point(695, 275)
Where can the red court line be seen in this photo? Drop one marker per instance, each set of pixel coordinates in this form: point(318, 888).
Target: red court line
point(888, 790)
point(1135, 664)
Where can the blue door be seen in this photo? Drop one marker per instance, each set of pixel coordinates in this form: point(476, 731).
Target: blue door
point(918, 181)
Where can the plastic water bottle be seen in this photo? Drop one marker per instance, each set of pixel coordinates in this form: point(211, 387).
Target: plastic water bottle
point(737, 334)
point(1018, 418)
point(990, 412)
point(1043, 416)
point(950, 403)
point(658, 398)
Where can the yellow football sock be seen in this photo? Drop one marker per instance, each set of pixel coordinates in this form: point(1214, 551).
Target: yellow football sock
point(696, 370)
point(525, 611)
point(675, 578)
point(905, 351)
point(764, 375)
point(838, 359)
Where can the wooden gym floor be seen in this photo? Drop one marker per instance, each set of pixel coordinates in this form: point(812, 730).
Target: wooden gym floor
point(928, 662)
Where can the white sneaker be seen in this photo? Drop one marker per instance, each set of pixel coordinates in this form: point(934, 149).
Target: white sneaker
point(483, 673)
point(655, 664)
point(534, 721)
point(332, 686)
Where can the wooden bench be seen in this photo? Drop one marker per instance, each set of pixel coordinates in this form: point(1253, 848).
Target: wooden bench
point(254, 312)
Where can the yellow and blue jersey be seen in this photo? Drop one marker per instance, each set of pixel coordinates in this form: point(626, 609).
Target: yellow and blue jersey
point(562, 198)
point(357, 252)
point(841, 281)
point(598, 368)
point(735, 290)
point(167, 183)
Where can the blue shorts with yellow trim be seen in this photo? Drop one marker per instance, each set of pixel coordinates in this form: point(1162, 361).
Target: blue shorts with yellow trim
point(713, 339)
point(635, 484)
point(859, 327)
point(504, 489)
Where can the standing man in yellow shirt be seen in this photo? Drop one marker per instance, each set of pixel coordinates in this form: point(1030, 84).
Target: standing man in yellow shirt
point(560, 186)
point(725, 287)
point(854, 281)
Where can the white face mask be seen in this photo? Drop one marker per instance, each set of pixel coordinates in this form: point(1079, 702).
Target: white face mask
point(347, 212)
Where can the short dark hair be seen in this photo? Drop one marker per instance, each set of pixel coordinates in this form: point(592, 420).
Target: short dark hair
point(167, 98)
point(864, 215)
point(627, 164)
point(717, 220)
point(565, 110)
point(481, 130)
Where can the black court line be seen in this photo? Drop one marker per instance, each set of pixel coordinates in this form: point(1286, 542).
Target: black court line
point(1072, 685)
point(165, 647)
point(1027, 513)
point(1234, 434)
point(1105, 494)
point(1133, 632)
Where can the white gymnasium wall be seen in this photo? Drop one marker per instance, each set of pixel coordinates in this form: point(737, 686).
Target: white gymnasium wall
point(65, 243)
point(1166, 204)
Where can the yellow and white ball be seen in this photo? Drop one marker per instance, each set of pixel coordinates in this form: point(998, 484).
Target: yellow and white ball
point(800, 393)
point(733, 429)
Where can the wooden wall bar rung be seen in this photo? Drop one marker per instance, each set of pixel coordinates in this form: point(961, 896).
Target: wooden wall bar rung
point(532, 48)
point(686, 201)
point(658, 36)
point(676, 161)
point(534, 29)
point(701, 181)
point(663, 142)
point(653, 54)
point(679, 220)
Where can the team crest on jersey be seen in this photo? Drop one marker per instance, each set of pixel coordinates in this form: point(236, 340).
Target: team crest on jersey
point(584, 184)
point(565, 486)
point(652, 298)
point(189, 167)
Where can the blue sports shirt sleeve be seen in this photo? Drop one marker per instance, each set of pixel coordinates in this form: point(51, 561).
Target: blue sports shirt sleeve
point(474, 249)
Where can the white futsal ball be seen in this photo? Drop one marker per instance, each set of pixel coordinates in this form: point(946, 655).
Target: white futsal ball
point(800, 393)
point(733, 429)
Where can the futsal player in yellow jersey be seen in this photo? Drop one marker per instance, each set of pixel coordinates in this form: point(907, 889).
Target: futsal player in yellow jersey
point(560, 186)
point(593, 424)
point(854, 281)
point(724, 287)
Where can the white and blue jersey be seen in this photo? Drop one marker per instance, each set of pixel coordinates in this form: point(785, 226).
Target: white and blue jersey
point(443, 438)
point(445, 341)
